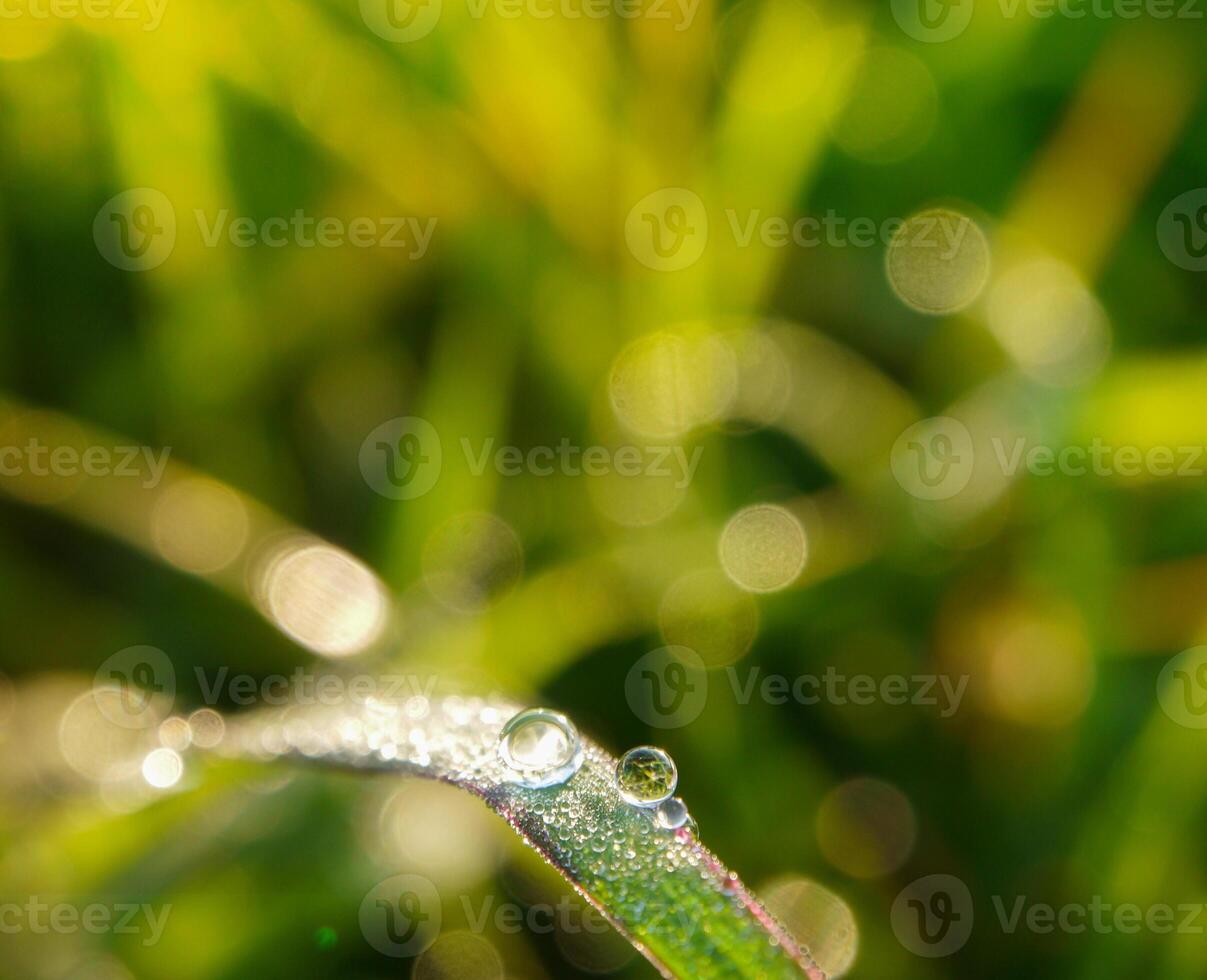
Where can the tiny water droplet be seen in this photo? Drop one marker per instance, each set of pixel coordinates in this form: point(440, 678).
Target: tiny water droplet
point(672, 814)
point(646, 776)
point(541, 747)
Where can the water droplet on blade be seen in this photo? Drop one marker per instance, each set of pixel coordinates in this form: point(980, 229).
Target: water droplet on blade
point(672, 814)
point(540, 747)
point(646, 776)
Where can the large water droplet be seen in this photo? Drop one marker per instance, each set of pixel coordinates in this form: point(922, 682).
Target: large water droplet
point(646, 776)
point(541, 747)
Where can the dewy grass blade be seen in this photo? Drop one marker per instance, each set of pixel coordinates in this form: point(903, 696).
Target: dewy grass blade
point(662, 889)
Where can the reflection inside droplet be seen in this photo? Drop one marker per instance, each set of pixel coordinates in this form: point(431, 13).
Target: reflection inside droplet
point(672, 814)
point(646, 776)
point(541, 747)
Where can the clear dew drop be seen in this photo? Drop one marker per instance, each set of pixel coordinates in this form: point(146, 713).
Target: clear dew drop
point(672, 814)
point(540, 747)
point(646, 776)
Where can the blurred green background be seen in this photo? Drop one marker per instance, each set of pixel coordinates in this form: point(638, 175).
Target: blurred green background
point(600, 271)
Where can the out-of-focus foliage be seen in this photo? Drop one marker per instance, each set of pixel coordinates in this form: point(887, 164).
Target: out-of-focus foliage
point(889, 676)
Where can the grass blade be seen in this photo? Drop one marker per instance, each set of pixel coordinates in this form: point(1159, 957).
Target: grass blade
point(662, 889)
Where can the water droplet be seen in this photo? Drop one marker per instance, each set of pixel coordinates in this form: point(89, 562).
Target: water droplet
point(541, 747)
point(646, 776)
point(672, 814)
